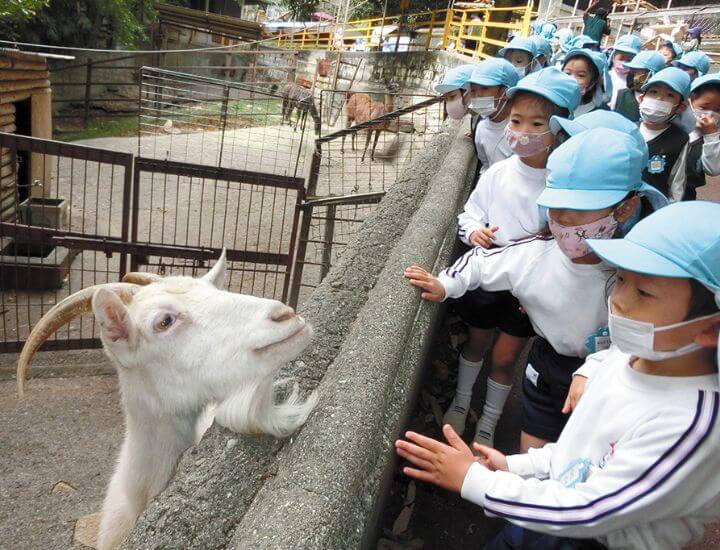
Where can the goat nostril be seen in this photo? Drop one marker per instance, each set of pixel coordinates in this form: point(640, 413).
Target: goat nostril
point(284, 314)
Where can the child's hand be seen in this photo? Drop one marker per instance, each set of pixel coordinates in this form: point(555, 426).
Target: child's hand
point(468, 134)
point(433, 290)
point(577, 387)
point(707, 124)
point(438, 463)
point(491, 458)
point(483, 237)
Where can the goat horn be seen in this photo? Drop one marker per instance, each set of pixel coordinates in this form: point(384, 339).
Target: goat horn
point(60, 314)
point(141, 278)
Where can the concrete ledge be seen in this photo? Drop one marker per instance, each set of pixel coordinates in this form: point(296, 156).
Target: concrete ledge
point(319, 488)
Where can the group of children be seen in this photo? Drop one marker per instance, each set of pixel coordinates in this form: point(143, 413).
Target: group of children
point(583, 234)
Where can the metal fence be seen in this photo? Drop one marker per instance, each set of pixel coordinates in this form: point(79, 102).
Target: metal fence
point(343, 188)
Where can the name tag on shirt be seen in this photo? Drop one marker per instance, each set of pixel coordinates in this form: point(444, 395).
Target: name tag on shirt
point(531, 374)
point(598, 340)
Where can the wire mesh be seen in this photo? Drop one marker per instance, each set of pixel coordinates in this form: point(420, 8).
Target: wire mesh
point(78, 191)
point(212, 122)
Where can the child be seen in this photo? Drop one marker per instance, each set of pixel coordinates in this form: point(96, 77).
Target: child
point(588, 68)
point(521, 53)
point(663, 98)
point(561, 44)
point(670, 52)
point(543, 51)
point(695, 64)
point(636, 465)
point(502, 209)
point(625, 48)
point(452, 89)
point(595, 24)
point(596, 174)
point(640, 69)
point(704, 148)
point(487, 86)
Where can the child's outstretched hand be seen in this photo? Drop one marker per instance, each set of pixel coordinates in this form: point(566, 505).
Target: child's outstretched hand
point(491, 458)
point(707, 124)
point(577, 387)
point(435, 462)
point(483, 237)
point(425, 281)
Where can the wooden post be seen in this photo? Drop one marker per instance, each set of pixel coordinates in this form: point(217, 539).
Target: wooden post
point(88, 88)
point(41, 127)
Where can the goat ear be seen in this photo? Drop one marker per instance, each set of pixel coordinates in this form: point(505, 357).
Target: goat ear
point(112, 315)
point(216, 275)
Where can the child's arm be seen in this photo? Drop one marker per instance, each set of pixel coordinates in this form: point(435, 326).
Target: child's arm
point(711, 154)
point(678, 177)
point(472, 226)
point(666, 469)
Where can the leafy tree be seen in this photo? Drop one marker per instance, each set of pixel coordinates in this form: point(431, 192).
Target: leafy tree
point(301, 9)
point(20, 10)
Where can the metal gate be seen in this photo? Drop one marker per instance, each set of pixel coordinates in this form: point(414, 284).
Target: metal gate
point(89, 215)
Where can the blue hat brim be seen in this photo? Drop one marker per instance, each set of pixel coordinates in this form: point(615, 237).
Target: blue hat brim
point(445, 88)
point(580, 199)
point(506, 49)
point(625, 49)
point(484, 81)
point(555, 99)
point(571, 127)
point(628, 255)
point(670, 85)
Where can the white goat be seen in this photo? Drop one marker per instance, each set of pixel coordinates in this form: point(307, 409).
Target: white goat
point(180, 345)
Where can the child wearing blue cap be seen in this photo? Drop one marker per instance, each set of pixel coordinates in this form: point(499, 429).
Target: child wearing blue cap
point(521, 53)
point(588, 68)
point(561, 44)
point(643, 66)
point(543, 51)
point(670, 51)
point(502, 209)
point(626, 47)
point(703, 157)
point(695, 64)
point(663, 98)
point(452, 88)
point(487, 86)
point(592, 188)
point(636, 465)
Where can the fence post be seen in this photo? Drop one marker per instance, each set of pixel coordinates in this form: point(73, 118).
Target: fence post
point(326, 261)
point(430, 31)
point(460, 32)
point(223, 122)
point(446, 29)
point(88, 88)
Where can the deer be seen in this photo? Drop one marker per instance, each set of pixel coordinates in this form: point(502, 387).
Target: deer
point(360, 108)
point(181, 345)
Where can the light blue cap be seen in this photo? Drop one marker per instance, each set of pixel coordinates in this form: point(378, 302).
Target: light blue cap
point(455, 78)
point(542, 47)
point(677, 50)
point(592, 170)
point(674, 78)
point(552, 84)
point(656, 247)
point(494, 71)
point(628, 43)
point(696, 60)
point(583, 41)
point(596, 58)
point(522, 43)
point(646, 60)
point(704, 81)
point(547, 30)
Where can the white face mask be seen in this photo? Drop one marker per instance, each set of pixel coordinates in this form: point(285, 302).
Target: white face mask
point(482, 105)
point(638, 338)
point(655, 110)
point(455, 108)
point(521, 71)
point(704, 112)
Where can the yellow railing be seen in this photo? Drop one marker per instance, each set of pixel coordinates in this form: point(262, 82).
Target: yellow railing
point(462, 30)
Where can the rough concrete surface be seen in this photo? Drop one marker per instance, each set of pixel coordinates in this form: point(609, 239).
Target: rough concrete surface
point(210, 492)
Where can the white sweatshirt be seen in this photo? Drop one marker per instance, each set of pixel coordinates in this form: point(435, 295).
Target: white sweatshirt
point(710, 151)
point(490, 143)
point(505, 196)
point(636, 466)
point(566, 302)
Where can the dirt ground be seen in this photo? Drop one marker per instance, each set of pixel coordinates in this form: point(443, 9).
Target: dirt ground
point(59, 447)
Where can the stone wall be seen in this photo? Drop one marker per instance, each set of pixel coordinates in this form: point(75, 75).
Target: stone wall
point(322, 487)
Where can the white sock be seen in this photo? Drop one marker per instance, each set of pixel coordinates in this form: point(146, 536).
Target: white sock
point(495, 399)
point(467, 374)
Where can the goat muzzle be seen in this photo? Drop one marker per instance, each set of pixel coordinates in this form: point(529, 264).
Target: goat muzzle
point(61, 314)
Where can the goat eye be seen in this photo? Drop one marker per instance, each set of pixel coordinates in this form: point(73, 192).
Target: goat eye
point(165, 322)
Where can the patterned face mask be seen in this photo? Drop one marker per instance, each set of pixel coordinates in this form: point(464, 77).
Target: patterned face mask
point(571, 238)
point(526, 144)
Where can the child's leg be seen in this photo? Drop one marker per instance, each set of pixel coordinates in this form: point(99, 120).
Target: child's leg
point(505, 353)
point(528, 441)
point(469, 365)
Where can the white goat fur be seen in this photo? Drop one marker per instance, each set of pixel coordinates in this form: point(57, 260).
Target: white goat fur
point(221, 348)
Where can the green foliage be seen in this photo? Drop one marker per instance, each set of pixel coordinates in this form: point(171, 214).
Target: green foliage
point(374, 8)
point(20, 10)
point(83, 23)
point(301, 9)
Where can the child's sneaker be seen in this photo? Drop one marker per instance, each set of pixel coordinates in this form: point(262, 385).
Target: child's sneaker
point(456, 416)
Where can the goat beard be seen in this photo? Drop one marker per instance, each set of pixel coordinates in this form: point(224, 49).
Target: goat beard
point(253, 409)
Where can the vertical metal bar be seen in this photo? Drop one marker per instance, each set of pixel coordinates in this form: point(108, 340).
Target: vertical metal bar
point(326, 261)
point(134, 260)
point(88, 86)
point(129, 170)
point(223, 122)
